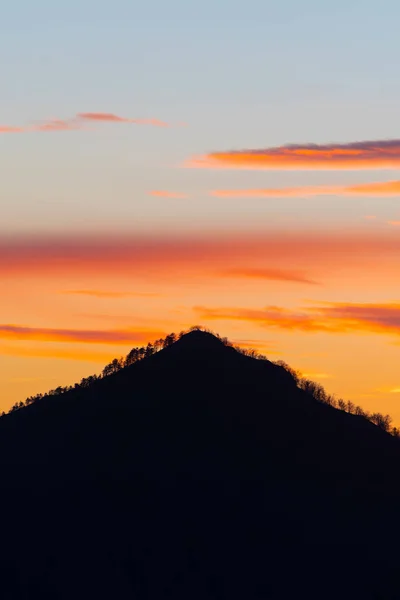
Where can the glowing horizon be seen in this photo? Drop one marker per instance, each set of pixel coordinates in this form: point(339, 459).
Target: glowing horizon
point(145, 191)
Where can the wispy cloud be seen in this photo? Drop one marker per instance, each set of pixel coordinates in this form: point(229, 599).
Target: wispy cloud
point(56, 125)
point(268, 275)
point(109, 294)
point(76, 354)
point(10, 129)
point(79, 121)
point(89, 336)
point(166, 194)
point(395, 223)
point(45, 126)
point(327, 318)
point(380, 154)
point(111, 118)
point(385, 188)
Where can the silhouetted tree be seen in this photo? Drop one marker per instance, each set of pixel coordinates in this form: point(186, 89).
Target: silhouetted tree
point(169, 340)
point(382, 421)
point(113, 367)
point(314, 389)
point(361, 412)
point(149, 350)
point(331, 400)
point(296, 375)
point(350, 407)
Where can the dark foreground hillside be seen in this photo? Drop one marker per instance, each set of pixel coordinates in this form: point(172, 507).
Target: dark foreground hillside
point(197, 473)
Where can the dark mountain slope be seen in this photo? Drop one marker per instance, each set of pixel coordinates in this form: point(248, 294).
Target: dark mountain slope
point(197, 473)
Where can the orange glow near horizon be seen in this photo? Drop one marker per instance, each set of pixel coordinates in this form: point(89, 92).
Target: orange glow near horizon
point(92, 298)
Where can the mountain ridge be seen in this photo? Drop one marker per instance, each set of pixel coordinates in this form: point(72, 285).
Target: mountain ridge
point(197, 472)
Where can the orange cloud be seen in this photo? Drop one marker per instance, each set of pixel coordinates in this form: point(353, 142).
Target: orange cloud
point(381, 154)
point(386, 188)
point(328, 318)
point(396, 223)
point(75, 354)
point(271, 316)
point(106, 294)
point(111, 118)
point(165, 194)
point(268, 274)
point(42, 334)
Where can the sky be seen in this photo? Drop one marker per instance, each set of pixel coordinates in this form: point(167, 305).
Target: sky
point(234, 165)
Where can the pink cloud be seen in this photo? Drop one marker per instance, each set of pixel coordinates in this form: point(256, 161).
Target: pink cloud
point(57, 125)
point(78, 122)
point(111, 118)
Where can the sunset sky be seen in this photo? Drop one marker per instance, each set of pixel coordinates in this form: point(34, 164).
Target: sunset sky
point(230, 164)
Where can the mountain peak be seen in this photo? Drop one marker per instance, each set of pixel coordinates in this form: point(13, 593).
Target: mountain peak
point(199, 339)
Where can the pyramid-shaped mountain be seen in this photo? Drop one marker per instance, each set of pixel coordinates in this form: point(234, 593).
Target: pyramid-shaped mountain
point(197, 473)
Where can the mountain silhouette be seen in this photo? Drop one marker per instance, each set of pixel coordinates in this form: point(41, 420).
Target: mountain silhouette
point(197, 473)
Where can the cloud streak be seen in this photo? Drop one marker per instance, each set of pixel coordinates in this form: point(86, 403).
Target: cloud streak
point(379, 154)
point(51, 352)
point(111, 118)
point(308, 256)
point(377, 189)
point(109, 294)
point(10, 129)
point(268, 275)
point(88, 336)
point(57, 125)
point(326, 318)
point(166, 194)
point(80, 121)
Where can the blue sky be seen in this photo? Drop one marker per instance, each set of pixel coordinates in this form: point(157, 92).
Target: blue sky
point(242, 75)
point(254, 74)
